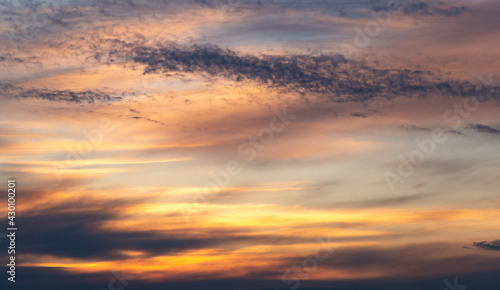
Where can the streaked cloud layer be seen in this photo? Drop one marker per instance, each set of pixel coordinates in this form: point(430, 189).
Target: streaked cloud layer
point(220, 144)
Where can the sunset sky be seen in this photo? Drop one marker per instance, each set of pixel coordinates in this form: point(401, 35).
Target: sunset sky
point(243, 144)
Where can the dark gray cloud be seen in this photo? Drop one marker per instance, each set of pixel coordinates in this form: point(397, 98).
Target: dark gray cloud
point(424, 9)
point(331, 76)
point(402, 260)
point(8, 59)
point(358, 115)
point(147, 119)
point(484, 129)
point(74, 230)
point(77, 235)
point(413, 128)
point(10, 62)
point(455, 132)
point(58, 279)
point(492, 246)
point(12, 91)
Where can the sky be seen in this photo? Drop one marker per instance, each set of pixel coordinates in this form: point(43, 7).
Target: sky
point(241, 144)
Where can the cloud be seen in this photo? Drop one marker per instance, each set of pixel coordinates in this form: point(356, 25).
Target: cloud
point(491, 246)
point(382, 202)
point(413, 128)
point(425, 9)
point(78, 235)
point(74, 230)
point(8, 59)
point(147, 119)
point(330, 76)
point(358, 115)
point(484, 129)
point(405, 261)
point(12, 91)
